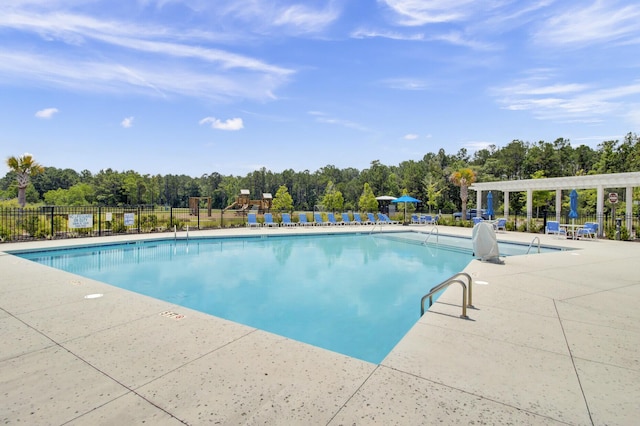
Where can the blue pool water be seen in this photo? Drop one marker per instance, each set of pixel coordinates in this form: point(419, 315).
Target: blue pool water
point(355, 294)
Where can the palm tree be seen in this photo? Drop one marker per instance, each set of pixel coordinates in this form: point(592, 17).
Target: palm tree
point(25, 168)
point(463, 178)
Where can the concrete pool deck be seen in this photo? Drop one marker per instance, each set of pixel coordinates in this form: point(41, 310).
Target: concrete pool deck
point(554, 339)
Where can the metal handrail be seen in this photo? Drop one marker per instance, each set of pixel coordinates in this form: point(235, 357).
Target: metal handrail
point(531, 244)
point(374, 227)
point(435, 228)
point(467, 292)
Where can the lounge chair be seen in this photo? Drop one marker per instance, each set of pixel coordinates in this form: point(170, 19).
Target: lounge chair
point(435, 219)
point(426, 218)
point(317, 220)
point(416, 220)
point(332, 220)
point(383, 218)
point(553, 228)
point(372, 218)
point(589, 230)
point(252, 220)
point(303, 220)
point(286, 220)
point(268, 220)
point(500, 224)
point(347, 221)
point(357, 219)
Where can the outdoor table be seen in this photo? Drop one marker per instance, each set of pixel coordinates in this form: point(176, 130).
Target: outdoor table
point(571, 228)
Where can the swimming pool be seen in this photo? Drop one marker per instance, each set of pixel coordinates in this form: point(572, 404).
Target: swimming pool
point(356, 294)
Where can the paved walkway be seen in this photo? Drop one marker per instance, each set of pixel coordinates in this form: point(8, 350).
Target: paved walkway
point(553, 339)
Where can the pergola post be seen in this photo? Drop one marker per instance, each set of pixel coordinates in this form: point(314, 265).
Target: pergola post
point(529, 207)
point(506, 204)
point(600, 209)
point(558, 204)
point(478, 203)
point(628, 198)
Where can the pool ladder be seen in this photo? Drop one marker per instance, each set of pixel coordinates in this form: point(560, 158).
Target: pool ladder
point(435, 228)
point(467, 301)
point(531, 244)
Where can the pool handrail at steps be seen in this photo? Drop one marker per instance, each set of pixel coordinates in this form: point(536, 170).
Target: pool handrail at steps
point(531, 244)
point(466, 292)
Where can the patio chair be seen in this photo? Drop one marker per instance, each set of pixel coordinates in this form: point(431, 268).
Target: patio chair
point(317, 218)
point(589, 230)
point(357, 219)
point(347, 221)
point(383, 218)
point(332, 220)
point(500, 224)
point(252, 220)
point(302, 220)
point(286, 220)
point(372, 218)
point(426, 218)
point(553, 228)
point(268, 220)
point(415, 219)
point(477, 220)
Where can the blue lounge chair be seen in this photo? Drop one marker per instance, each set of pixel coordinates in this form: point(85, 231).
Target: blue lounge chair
point(383, 218)
point(252, 220)
point(426, 218)
point(358, 219)
point(332, 219)
point(415, 219)
point(553, 228)
point(347, 221)
point(317, 218)
point(589, 230)
point(286, 220)
point(372, 218)
point(268, 220)
point(435, 220)
point(302, 221)
point(500, 224)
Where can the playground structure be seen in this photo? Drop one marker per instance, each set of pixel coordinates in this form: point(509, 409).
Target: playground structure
point(244, 202)
point(194, 205)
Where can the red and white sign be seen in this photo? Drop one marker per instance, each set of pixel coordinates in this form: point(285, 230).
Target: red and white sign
point(613, 197)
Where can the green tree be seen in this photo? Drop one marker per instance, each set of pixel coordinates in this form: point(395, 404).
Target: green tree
point(25, 167)
point(433, 191)
point(333, 200)
point(463, 178)
point(283, 201)
point(368, 202)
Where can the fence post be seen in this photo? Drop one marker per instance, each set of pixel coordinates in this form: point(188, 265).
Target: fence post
point(170, 216)
point(198, 212)
point(99, 221)
point(139, 219)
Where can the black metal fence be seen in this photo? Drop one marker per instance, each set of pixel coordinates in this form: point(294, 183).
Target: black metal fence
point(55, 222)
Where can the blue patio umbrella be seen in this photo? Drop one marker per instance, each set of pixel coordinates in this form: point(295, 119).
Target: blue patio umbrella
point(489, 205)
point(406, 199)
point(573, 205)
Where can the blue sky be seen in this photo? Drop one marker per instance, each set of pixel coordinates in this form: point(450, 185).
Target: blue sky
point(197, 86)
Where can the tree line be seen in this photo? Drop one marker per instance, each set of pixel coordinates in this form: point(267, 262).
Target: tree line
point(428, 179)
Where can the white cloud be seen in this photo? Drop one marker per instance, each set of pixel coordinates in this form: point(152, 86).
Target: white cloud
point(600, 22)
point(404, 84)
point(411, 136)
point(417, 12)
point(127, 122)
point(321, 117)
point(230, 124)
point(46, 113)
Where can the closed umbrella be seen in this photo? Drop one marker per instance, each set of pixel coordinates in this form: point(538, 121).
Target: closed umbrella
point(406, 199)
point(489, 205)
point(573, 205)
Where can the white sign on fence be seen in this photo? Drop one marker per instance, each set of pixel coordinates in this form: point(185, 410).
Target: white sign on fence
point(108, 217)
point(129, 219)
point(80, 221)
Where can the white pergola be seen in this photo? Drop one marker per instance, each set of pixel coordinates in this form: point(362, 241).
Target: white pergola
point(599, 182)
